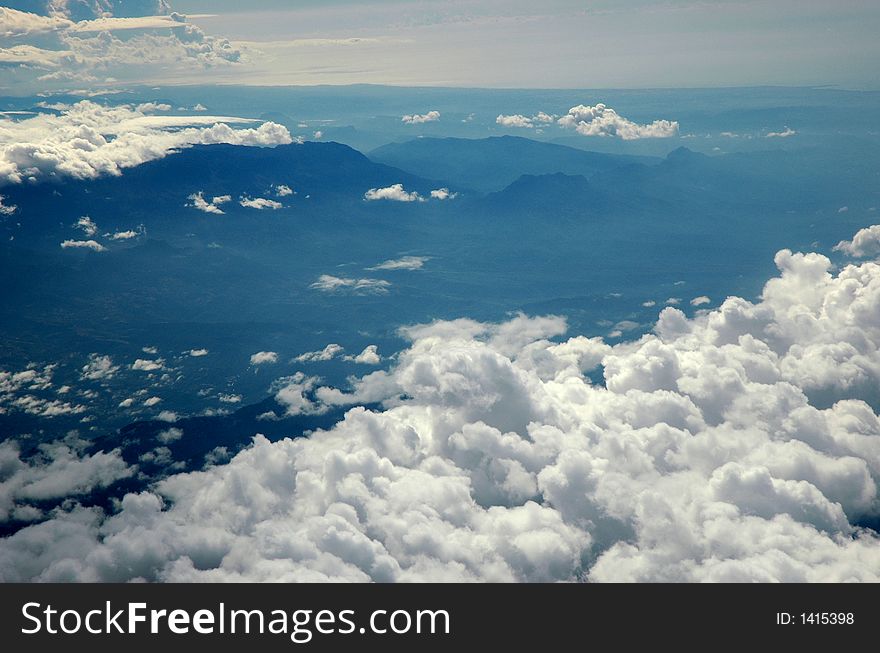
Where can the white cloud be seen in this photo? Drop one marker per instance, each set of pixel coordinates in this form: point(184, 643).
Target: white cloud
point(30, 378)
point(283, 190)
point(843, 209)
point(443, 194)
point(418, 119)
point(403, 263)
point(229, 398)
point(395, 193)
point(7, 209)
point(196, 353)
point(865, 243)
point(294, 392)
point(87, 225)
point(785, 133)
point(146, 365)
point(199, 202)
point(124, 235)
point(169, 435)
point(150, 107)
point(96, 43)
point(329, 352)
point(59, 471)
point(738, 445)
point(83, 244)
point(41, 407)
point(15, 23)
point(259, 203)
point(700, 301)
point(152, 401)
point(329, 283)
point(369, 356)
point(601, 120)
point(98, 368)
point(87, 140)
point(515, 120)
point(263, 357)
point(200, 107)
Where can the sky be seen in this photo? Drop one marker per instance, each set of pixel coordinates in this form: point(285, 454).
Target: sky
point(480, 43)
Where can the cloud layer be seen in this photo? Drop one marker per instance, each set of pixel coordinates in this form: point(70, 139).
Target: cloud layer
point(86, 140)
point(60, 43)
point(739, 445)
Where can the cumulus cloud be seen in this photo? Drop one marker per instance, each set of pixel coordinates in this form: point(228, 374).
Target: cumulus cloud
point(197, 353)
point(26, 380)
point(865, 243)
point(98, 368)
point(199, 202)
point(259, 203)
point(7, 209)
point(87, 225)
point(150, 107)
point(394, 193)
point(264, 357)
point(700, 301)
point(369, 356)
point(329, 352)
point(329, 283)
point(785, 133)
point(403, 263)
point(93, 245)
point(738, 445)
point(443, 194)
point(147, 365)
point(169, 435)
point(417, 119)
point(283, 190)
point(86, 140)
point(515, 120)
point(124, 235)
point(601, 120)
point(58, 471)
point(296, 392)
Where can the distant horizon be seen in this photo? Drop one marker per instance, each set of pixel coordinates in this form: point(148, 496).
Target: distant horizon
point(466, 44)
